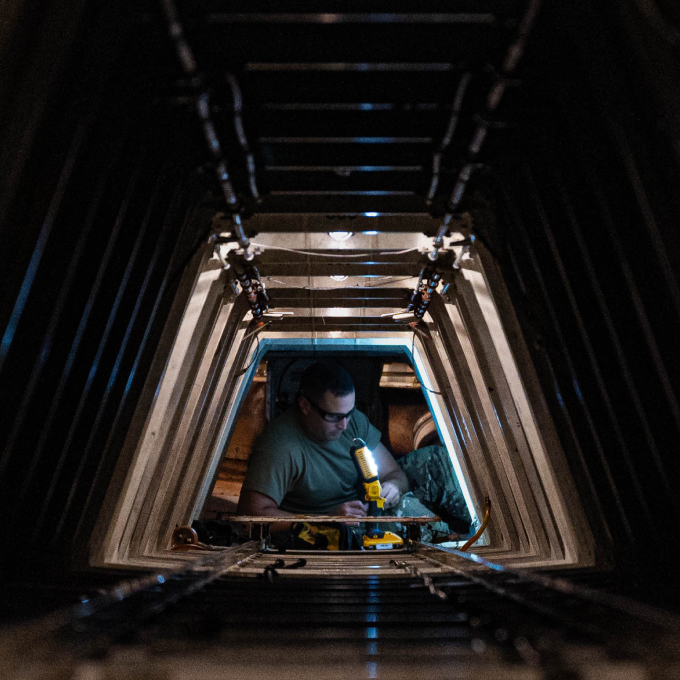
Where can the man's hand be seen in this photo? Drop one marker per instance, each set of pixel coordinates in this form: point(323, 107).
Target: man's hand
point(392, 478)
point(350, 509)
point(391, 494)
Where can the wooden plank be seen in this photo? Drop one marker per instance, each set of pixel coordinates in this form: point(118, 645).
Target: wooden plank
point(330, 519)
point(472, 424)
point(266, 222)
point(339, 297)
point(499, 406)
point(159, 427)
point(551, 464)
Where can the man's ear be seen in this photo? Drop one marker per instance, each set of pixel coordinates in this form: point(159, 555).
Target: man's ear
point(304, 405)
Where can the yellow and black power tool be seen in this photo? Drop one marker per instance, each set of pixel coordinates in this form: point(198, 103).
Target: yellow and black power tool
point(374, 539)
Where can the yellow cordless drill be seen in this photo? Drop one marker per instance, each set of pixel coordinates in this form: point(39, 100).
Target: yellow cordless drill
point(373, 538)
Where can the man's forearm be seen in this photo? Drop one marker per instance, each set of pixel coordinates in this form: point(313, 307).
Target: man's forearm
point(253, 504)
point(397, 477)
point(275, 527)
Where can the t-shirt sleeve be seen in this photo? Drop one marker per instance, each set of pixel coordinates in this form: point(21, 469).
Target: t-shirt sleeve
point(364, 429)
point(271, 469)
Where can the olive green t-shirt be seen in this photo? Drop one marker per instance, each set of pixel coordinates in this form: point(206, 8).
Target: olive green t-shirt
point(300, 475)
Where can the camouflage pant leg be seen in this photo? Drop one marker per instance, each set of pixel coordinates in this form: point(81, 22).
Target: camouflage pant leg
point(410, 506)
point(430, 474)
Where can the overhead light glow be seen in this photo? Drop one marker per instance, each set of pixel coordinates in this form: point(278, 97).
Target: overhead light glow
point(371, 214)
point(371, 233)
point(339, 277)
point(341, 235)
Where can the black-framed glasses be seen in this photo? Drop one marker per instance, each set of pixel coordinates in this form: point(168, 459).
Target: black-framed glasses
point(327, 415)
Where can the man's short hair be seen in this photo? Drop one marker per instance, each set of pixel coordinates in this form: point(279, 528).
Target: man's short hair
point(325, 376)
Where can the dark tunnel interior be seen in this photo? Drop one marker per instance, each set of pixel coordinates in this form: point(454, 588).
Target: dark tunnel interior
point(335, 117)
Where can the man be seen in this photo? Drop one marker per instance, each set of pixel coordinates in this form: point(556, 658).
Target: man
point(301, 463)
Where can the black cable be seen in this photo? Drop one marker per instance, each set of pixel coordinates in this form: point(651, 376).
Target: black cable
point(413, 348)
point(254, 359)
point(297, 564)
point(358, 285)
point(311, 253)
point(270, 572)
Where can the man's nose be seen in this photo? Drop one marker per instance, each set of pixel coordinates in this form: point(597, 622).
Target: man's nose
point(342, 424)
